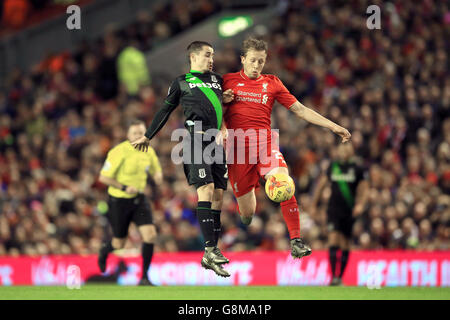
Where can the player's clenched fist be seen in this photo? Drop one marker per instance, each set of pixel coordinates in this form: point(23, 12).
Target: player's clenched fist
point(342, 132)
point(228, 96)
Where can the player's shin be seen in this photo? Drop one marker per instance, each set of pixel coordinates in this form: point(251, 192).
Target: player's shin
point(220, 258)
point(206, 222)
point(105, 250)
point(217, 225)
point(344, 260)
point(291, 217)
point(332, 254)
point(147, 255)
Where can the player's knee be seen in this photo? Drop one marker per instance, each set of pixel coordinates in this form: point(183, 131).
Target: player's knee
point(149, 236)
point(216, 205)
point(217, 195)
point(148, 233)
point(118, 243)
point(217, 200)
point(246, 215)
point(247, 209)
point(248, 212)
point(205, 193)
point(247, 219)
point(345, 244)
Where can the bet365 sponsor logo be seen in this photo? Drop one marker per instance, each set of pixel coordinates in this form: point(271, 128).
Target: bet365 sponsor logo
point(205, 85)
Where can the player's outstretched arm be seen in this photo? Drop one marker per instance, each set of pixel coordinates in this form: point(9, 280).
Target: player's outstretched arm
point(161, 117)
point(315, 118)
point(158, 122)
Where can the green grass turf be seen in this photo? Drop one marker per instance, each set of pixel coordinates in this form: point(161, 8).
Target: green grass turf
point(115, 292)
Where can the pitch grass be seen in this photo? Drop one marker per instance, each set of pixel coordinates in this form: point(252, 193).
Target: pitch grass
point(116, 292)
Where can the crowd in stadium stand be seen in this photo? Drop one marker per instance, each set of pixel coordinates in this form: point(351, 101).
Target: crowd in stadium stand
point(165, 17)
point(18, 14)
point(389, 87)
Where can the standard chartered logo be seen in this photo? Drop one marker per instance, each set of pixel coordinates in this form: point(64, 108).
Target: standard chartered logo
point(264, 100)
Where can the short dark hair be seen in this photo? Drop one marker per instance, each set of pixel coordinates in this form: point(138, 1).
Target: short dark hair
point(255, 44)
point(136, 122)
point(196, 46)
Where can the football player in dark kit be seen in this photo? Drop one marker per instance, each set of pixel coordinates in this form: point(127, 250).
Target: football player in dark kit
point(200, 94)
point(349, 193)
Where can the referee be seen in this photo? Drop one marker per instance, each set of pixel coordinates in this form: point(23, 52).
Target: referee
point(349, 193)
point(125, 172)
point(200, 94)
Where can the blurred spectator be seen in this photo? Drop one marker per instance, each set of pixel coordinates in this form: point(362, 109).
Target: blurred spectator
point(132, 69)
point(15, 13)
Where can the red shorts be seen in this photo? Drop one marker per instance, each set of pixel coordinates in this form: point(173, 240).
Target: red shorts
point(244, 175)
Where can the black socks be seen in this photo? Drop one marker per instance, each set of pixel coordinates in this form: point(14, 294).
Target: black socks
point(106, 248)
point(333, 259)
point(147, 255)
point(206, 220)
point(344, 260)
point(217, 225)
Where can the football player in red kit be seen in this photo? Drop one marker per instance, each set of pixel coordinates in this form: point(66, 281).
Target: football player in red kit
point(248, 115)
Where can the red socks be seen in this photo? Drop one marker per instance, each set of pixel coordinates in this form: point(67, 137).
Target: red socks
point(291, 216)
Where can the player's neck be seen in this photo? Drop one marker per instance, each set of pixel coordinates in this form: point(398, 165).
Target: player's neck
point(197, 70)
point(248, 77)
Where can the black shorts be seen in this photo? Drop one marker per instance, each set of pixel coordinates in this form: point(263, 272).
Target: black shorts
point(121, 212)
point(341, 221)
point(202, 167)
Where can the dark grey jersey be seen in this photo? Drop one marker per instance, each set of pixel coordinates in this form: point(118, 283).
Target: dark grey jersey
point(344, 178)
point(200, 95)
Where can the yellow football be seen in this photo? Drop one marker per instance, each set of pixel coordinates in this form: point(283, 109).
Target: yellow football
point(280, 187)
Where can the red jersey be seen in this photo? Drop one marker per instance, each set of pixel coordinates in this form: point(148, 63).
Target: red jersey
point(253, 100)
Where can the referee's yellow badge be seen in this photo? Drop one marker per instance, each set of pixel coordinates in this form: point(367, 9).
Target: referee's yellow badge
point(106, 166)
